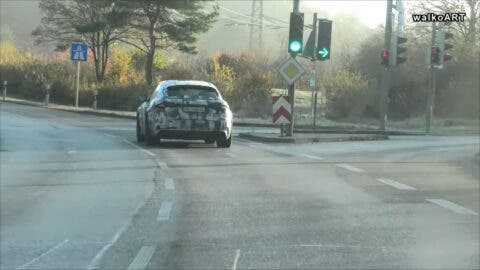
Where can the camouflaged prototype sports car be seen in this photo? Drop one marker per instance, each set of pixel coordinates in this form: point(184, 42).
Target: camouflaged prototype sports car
point(187, 110)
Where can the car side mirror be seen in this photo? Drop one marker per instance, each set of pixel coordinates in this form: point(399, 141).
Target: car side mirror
point(142, 99)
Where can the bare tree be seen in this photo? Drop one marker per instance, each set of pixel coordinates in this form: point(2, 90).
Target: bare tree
point(469, 29)
point(97, 22)
point(163, 24)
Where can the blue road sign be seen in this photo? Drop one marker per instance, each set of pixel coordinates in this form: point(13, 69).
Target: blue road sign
point(79, 52)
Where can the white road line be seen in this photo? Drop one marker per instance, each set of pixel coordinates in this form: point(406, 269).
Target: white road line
point(235, 261)
point(309, 245)
point(109, 135)
point(169, 184)
point(164, 211)
point(395, 184)
point(71, 152)
point(59, 245)
point(139, 148)
point(230, 155)
point(311, 156)
point(332, 246)
point(142, 259)
point(452, 206)
point(350, 168)
point(95, 262)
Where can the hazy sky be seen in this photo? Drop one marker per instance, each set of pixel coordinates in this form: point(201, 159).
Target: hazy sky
point(372, 13)
point(22, 16)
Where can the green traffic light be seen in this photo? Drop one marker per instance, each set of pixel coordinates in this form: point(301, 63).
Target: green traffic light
point(323, 52)
point(295, 46)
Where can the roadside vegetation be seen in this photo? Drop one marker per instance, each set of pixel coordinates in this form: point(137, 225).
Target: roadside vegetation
point(139, 54)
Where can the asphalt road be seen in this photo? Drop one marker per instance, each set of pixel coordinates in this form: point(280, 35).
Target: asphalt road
point(77, 192)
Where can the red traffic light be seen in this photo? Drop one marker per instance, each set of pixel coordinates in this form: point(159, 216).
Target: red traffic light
point(384, 54)
point(385, 57)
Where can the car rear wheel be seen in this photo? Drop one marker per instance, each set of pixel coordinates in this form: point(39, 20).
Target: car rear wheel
point(151, 140)
point(224, 142)
point(140, 137)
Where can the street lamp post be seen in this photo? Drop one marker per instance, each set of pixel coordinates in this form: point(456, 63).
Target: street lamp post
point(5, 90)
point(47, 95)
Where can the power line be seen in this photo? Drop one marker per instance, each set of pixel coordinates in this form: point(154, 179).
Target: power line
point(256, 31)
point(255, 22)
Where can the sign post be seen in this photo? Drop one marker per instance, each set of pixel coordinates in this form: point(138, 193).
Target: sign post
point(5, 90)
point(282, 111)
point(95, 95)
point(291, 70)
point(47, 95)
point(79, 52)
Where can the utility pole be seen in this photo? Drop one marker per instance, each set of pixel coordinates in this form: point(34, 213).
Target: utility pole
point(291, 88)
point(385, 71)
point(256, 24)
point(432, 85)
point(315, 90)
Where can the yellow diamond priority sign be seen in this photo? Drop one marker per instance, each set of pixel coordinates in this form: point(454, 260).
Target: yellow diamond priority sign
point(291, 70)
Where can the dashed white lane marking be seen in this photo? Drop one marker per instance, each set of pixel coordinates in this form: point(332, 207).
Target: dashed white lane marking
point(452, 206)
point(350, 168)
point(311, 156)
point(235, 261)
point(139, 148)
point(109, 135)
point(142, 259)
point(71, 152)
point(59, 245)
point(169, 184)
point(164, 212)
point(230, 155)
point(95, 262)
point(396, 184)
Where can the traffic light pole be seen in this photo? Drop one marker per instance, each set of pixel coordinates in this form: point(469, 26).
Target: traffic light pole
point(314, 97)
point(385, 73)
point(432, 85)
point(291, 88)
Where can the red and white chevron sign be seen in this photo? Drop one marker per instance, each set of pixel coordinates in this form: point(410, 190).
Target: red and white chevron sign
point(282, 110)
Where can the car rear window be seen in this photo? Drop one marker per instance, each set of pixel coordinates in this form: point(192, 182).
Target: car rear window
point(192, 92)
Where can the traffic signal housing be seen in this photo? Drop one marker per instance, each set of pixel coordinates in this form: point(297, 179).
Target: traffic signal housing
point(441, 39)
point(385, 58)
point(295, 38)
point(435, 56)
point(324, 39)
point(446, 47)
point(398, 54)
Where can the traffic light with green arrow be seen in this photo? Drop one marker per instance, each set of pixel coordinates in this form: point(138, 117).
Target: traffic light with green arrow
point(324, 39)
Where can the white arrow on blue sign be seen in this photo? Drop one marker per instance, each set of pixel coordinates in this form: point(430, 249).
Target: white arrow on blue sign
point(79, 52)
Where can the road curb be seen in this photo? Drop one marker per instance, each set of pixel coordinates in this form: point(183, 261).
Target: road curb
point(315, 139)
point(298, 129)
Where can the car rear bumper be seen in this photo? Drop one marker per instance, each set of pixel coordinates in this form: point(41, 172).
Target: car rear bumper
point(192, 134)
point(189, 129)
